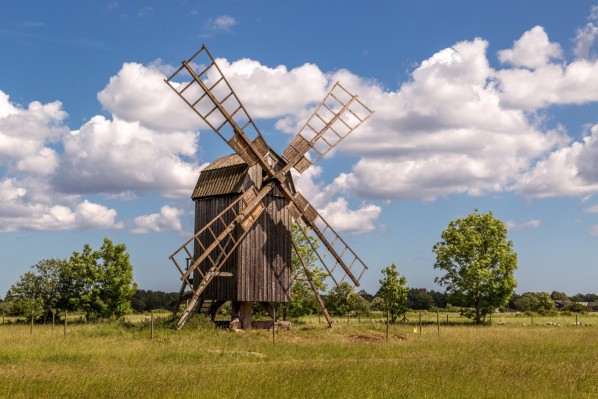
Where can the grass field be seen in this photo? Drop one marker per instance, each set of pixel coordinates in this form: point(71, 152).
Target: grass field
point(509, 359)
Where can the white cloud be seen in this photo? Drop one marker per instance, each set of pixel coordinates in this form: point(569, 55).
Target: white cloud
point(532, 50)
point(531, 224)
point(444, 132)
point(167, 219)
point(138, 94)
point(338, 215)
point(574, 83)
point(569, 171)
point(584, 40)
point(273, 92)
point(26, 133)
point(334, 209)
point(115, 156)
point(31, 205)
point(224, 22)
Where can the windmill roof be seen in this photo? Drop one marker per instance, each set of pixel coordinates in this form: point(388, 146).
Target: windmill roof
point(223, 176)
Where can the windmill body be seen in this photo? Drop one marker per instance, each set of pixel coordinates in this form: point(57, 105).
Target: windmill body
point(245, 202)
point(259, 269)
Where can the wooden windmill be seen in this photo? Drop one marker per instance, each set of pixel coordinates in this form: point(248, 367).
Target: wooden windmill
point(245, 202)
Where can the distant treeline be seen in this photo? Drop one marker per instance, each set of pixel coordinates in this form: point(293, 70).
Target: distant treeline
point(418, 299)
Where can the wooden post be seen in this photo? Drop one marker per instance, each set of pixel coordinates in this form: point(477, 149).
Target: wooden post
point(420, 322)
point(387, 325)
point(274, 326)
point(438, 320)
point(245, 314)
point(65, 315)
point(447, 319)
point(152, 325)
point(31, 328)
point(575, 318)
point(53, 319)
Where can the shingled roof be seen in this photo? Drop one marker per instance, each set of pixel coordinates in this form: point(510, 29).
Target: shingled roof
point(223, 176)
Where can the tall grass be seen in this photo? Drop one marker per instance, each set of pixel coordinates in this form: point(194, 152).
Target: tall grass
point(351, 360)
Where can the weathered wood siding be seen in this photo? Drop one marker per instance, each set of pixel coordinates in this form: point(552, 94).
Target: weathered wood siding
point(206, 209)
point(261, 265)
point(264, 257)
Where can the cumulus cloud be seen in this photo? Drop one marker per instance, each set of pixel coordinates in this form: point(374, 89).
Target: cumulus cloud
point(569, 171)
point(167, 219)
point(334, 208)
point(112, 156)
point(274, 92)
point(532, 50)
point(445, 132)
point(27, 133)
point(30, 205)
point(137, 93)
point(338, 214)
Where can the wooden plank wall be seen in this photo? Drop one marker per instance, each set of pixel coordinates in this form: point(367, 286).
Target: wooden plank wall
point(261, 266)
point(265, 256)
point(224, 288)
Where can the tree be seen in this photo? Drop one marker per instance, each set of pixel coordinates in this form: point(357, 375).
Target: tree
point(303, 300)
point(39, 289)
point(534, 302)
point(479, 262)
point(394, 292)
point(101, 282)
point(97, 282)
point(338, 300)
point(559, 296)
point(420, 299)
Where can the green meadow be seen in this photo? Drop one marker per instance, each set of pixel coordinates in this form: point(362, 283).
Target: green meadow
point(514, 357)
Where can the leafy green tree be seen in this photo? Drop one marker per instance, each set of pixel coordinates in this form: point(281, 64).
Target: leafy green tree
point(25, 297)
point(359, 305)
point(303, 300)
point(394, 292)
point(479, 262)
point(535, 302)
point(420, 299)
point(559, 296)
point(97, 282)
point(338, 299)
point(576, 307)
point(116, 278)
point(584, 298)
point(39, 289)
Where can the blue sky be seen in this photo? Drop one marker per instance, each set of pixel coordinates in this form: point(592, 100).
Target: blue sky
point(477, 106)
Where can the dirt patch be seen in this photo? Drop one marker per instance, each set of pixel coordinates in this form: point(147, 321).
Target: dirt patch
point(366, 338)
point(237, 353)
point(374, 338)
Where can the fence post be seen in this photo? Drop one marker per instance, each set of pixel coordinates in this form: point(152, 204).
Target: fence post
point(420, 322)
point(31, 328)
point(273, 325)
point(152, 326)
point(438, 320)
point(65, 316)
point(387, 325)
